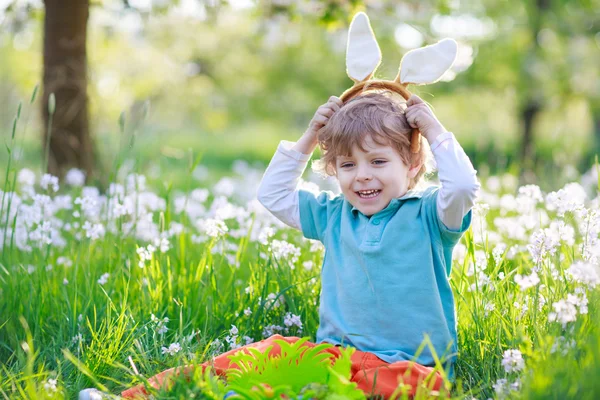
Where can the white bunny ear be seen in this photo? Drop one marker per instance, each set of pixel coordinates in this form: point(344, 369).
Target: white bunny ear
point(428, 64)
point(362, 55)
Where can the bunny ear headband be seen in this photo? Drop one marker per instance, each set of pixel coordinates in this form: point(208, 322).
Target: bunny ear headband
point(418, 67)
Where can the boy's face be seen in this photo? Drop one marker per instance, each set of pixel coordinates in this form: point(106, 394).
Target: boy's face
point(371, 179)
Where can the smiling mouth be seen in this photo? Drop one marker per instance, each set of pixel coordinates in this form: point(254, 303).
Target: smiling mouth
point(368, 194)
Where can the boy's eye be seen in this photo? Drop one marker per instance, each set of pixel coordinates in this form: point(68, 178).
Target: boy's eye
point(346, 165)
point(379, 162)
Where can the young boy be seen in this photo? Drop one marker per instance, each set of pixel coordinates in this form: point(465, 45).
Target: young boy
point(388, 243)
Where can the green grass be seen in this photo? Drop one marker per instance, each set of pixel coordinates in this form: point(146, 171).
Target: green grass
point(61, 323)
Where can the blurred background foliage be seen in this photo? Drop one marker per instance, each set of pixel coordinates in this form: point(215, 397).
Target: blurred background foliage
point(227, 80)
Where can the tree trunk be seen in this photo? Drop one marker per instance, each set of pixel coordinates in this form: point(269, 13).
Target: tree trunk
point(65, 75)
point(527, 155)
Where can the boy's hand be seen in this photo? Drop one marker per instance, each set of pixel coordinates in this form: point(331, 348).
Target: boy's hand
point(419, 116)
point(323, 114)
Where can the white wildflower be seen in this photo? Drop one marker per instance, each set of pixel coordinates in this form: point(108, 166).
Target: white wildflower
point(49, 181)
point(291, 320)
point(308, 265)
point(488, 307)
point(75, 177)
point(569, 198)
point(233, 330)
point(162, 243)
point(225, 187)
point(564, 312)
point(282, 250)
point(200, 173)
point(26, 177)
point(161, 324)
point(173, 349)
point(93, 231)
point(585, 273)
point(247, 312)
point(104, 278)
point(264, 235)
point(212, 227)
point(512, 361)
point(527, 281)
point(50, 385)
point(542, 243)
point(270, 330)
point(75, 340)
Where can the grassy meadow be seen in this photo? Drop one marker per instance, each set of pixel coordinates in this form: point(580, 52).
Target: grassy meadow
point(107, 288)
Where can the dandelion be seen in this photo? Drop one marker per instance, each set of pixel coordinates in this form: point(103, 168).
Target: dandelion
point(104, 278)
point(512, 361)
point(173, 349)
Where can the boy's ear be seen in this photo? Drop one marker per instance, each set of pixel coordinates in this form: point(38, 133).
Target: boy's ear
point(414, 170)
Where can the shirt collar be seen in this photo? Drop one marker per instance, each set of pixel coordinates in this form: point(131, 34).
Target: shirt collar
point(411, 194)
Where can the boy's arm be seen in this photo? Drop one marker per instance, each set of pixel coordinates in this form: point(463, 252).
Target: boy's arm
point(458, 178)
point(277, 191)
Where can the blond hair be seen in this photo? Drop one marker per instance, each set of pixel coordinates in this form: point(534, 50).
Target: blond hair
point(374, 114)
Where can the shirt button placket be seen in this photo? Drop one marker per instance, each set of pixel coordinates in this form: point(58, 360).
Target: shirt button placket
point(374, 230)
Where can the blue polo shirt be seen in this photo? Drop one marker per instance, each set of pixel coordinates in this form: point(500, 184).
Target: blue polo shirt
point(384, 280)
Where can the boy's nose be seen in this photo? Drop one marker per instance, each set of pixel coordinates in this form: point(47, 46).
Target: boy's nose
point(363, 175)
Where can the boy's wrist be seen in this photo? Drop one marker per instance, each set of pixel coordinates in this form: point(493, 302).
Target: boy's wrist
point(307, 142)
point(432, 134)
